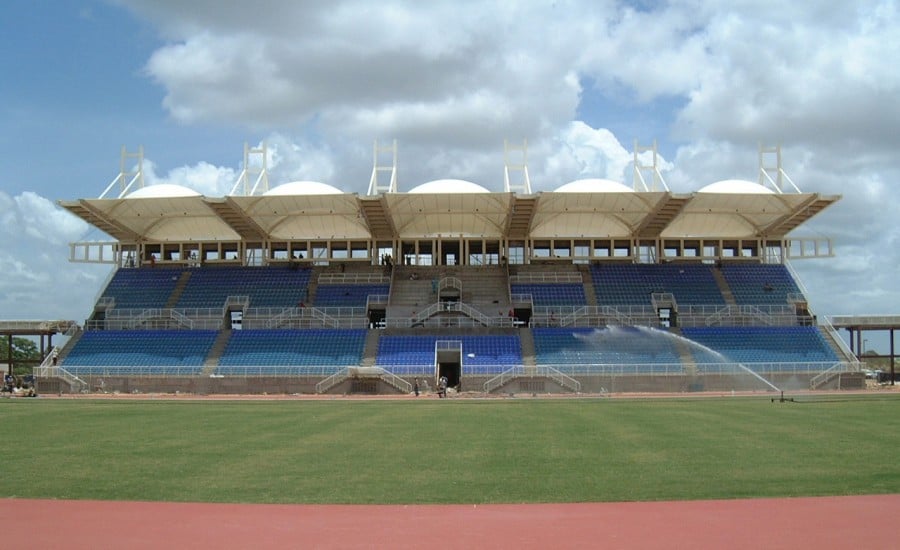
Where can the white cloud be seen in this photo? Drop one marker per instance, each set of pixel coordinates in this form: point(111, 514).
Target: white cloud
point(44, 220)
point(203, 177)
point(290, 161)
point(29, 215)
point(587, 152)
point(452, 80)
point(37, 282)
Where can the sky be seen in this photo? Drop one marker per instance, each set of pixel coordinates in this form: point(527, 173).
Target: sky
point(319, 82)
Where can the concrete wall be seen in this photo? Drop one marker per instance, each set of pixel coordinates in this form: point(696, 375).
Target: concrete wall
point(473, 384)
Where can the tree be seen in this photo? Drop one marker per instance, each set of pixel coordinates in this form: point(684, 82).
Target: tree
point(25, 350)
point(25, 355)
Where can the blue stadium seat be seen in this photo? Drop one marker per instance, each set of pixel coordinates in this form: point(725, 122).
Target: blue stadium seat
point(348, 295)
point(759, 284)
point(489, 354)
point(159, 349)
point(632, 284)
point(142, 288)
point(792, 344)
point(609, 346)
point(552, 294)
point(294, 348)
point(265, 286)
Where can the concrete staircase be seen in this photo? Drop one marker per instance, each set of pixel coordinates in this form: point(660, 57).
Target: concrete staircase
point(589, 294)
point(370, 349)
point(178, 290)
point(411, 286)
point(215, 352)
point(684, 353)
point(485, 289)
point(526, 340)
point(727, 295)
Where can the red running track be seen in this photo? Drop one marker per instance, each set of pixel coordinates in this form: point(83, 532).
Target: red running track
point(796, 523)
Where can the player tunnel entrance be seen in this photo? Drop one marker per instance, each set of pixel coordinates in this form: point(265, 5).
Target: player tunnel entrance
point(448, 361)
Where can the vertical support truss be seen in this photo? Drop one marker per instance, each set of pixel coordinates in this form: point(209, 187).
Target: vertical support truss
point(523, 185)
point(257, 172)
point(657, 182)
point(377, 186)
point(127, 178)
point(773, 176)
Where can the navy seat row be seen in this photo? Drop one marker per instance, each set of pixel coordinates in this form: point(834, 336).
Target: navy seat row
point(556, 294)
point(348, 295)
point(632, 284)
point(265, 286)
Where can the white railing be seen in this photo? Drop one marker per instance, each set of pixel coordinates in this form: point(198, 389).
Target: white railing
point(162, 315)
point(466, 309)
point(503, 378)
point(56, 325)
point(242, 302)
point(395, 381)
point(445, 322)
point(830, 373)
point(522, 299)
point(558, 277)
point(833, 333)
point(866, 320)
point(190, 312)
point(45, 371)
point(332, 380)
point(448, 345)
point(249, 371)
point(450, 282)
point(104, 284)
point(298, 313)
point(352, 278)
point(672, 369)
point(550, 316)
point(688, 315)
point(388, 377)
point(376, 299)
point(797, 280)
point(560, 378)
point(513, 373)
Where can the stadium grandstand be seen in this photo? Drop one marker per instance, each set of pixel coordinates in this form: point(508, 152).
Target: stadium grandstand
point(595, 286)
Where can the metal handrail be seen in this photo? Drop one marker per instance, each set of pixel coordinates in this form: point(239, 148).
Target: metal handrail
point(555, 277)
point(510, 374)
point(828, 374)
point(333, 380)
point(44, 371)
point(352, 278)
point(560, 378)
point(395, 381)
point(829, 328)
point(502, 378)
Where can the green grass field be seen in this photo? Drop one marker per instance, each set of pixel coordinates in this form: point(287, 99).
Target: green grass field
point(448, 451)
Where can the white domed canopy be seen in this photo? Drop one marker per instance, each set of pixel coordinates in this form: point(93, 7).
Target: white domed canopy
point(162, 190)
point(594, 185)
point(303, 188)
point(449, 186)
point(735, 186)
